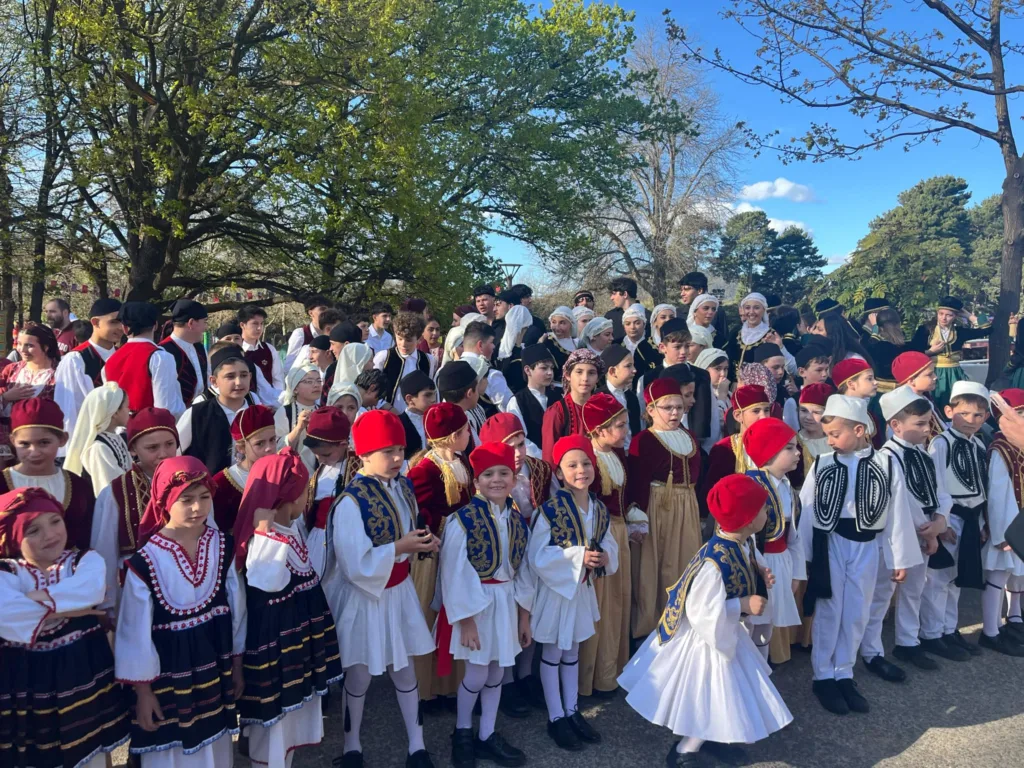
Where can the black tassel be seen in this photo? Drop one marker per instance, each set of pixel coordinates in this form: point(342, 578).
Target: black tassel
point(419, 713)
point(348, 722)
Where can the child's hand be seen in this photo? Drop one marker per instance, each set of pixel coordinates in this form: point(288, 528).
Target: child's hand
point(1003, 547)
point(302, 420)
point(930, 545)
point(938, 346)
point(420, 540)
point(594, 559)
point(147, 708)
point(948, 536)
point(753, 605)
point(636, 537)
point(899, 575)
point(525, 633)
point(768, 576)
point(237, 678)
point(469, 636)
point(80, 612)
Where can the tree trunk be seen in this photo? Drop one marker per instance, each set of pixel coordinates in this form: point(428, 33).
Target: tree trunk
point(147, 263)
point(1010, 269)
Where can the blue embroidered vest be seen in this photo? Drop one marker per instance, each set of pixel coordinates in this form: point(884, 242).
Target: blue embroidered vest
point(775, 528)
point(381, 519)
point(566, 521)
point(733, 564)
point(483, 542)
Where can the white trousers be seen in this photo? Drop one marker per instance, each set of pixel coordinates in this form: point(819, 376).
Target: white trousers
point(881, 598)
point(908, 606)
point(839, 622)
point(939, 603)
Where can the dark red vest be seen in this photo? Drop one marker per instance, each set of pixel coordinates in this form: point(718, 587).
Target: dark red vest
point(131, 492)
point(190, 385)
point(129, 367)
point(263, 358)
point(93, 362)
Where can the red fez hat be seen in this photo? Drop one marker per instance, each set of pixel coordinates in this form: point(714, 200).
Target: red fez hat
point(765, 438)
point(845, 370)
point(1014, 398)
point(908, 365)
point(251, 420)
point(602, 408)
point(18, 508)
point(377, 430)
point(659, 388)
point(150, 420)
point(328, 425)
point(36, 412)
point(499, 428)
point(443, 420)
point(493, 454)
point(735, 500)
point(816, 394)
point(573, 443)
point(748, 396)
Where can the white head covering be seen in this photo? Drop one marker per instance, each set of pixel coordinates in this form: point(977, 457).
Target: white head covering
point(473, 317)
point(296, 374)
point(635, 310)
point(452, 342)
point(596, 326)
point(709, 357)
point(965, 388)
point(895, 401)
point(341, 388)
point(567, 313)
point(582, 313)
point(98, 408)
point(353, 360)
point(517, 319)
point(479, 365)
point(655, 332)
point(701, 335)
point(849, 408)
point(753, 335)
point(704, 298)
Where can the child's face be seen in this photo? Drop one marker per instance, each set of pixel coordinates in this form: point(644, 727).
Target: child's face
point(308, 389)
point(262, 443)
point(925, 381)
point(718, 372)
point(495, 483)
point(582, 380)
point(36, 448)
point(364, 327)
point(152, 448)
point(370, 396)
point(45, 539)
point(602, 341)
point(252, 328)
point(461, 439)
point(914, 429)
point(321, 358)
point(786, 459)
point(540, 375)
point(815, 373)
point(686, 391)
point(945, 317)
point(966, 417)
point(120, 419)
point(518, 442)
point(862, 385)
point(668, 412)
point(754, 413)
point(192, 509)
point(757, 524)
point(386, 463)
point(422, 400)
point(232, 380)
point(576, 470)
point(331, 454)
point(382, 320)
point(692, 351)
point(634, 328)
point(432, 333)
point(674, 352)
point(349, 407)
point(486, 348)
point(705, 313)
point(845, 436)
point(406, 344)
point(777, 366)
point(621, 376)
point(810, 417)
point(613, 435)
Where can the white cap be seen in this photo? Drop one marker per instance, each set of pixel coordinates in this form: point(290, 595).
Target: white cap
point(895, 401)
point(969, 388)
point(849, 408)
point(635, 310)
point(701, 335)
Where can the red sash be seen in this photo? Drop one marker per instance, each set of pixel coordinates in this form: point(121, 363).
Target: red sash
point(444, 637)
point(399, 573)
point(323, 509)
point(776, 547)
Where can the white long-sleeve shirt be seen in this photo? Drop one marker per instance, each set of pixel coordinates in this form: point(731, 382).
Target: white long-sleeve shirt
point(277, 368)
point(164, 373)
point(497, 387)
point(71, 385)
point(296, 342)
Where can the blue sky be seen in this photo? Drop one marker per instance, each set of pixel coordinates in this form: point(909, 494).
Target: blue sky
point(835, 200)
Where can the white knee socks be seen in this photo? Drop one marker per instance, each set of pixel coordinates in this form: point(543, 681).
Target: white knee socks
point(569, 675)
point(992, 601)
point(472, 683)
point(357, 682)
point(490, 697)
point(1013, 615)
point(408, 693)
point(689, 745)
point(550, 659)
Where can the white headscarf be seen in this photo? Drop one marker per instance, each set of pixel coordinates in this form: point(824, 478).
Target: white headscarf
point(473, 317)
point(341, 388)
point(582, 313)
point(656, 332)
point(635, 310)
point(568, 315)
point(98, 409)
point(701, 335)
point(753, 335)
point(452, 342)
point(704, 298)
point(709, 357)
point(596, 326)
point(296, 374)
point(516, 320)
point(351, 362)
point(479, 365)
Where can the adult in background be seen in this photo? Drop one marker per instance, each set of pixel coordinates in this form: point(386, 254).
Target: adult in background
point(645, 357)
point(31, 376)
point(143, 369)
point(58, 317)
point(886, 345)
point(692, 285)
point(430, 343)
point(623, 296)
point(754, 331)
point(379, 340)
point(302, 336)
point(483, 300)
point(185, 345)
point(253, 320)
point(561, 341)
point(583, 299)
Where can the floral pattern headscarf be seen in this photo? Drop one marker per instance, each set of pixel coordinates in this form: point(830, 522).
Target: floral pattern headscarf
point(757, 374)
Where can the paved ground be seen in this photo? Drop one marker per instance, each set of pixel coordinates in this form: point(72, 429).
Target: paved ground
point(968, 714)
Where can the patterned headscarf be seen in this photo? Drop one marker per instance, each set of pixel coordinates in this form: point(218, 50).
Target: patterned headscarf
point(172, 477)
point(755, 373)
point(577, 357)
point(273, 480)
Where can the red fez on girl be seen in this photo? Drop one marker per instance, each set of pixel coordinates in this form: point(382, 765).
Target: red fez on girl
point(660, 388)
point(443, 420)
point(908, 365)
point(251, 420)
point(328, 424)
point(18, 508)
point(37, 412)
point(1014, 398)
point(748, 396)
point(150, 420)
point(601, 408)
point(845, 370)
point(816, 394)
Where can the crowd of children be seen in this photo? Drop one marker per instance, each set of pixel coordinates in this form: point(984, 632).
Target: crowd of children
point(528, 522)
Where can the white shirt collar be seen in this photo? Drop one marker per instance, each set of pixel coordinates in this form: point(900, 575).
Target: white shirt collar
point(135, 339)
point(104, 353)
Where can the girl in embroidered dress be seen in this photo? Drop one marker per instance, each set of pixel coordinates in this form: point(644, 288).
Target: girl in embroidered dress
point(291, 649)
point(181, 627)
point(95, 445)
point(570, 546)
point(60, 705)
point(664, 464)
point(700, 674)
point(380, 624)
point(31, 376)
point(252, 431)
point(487, 595)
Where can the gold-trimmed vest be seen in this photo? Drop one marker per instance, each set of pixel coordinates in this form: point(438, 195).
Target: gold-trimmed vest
point(381, 518)
point(483, 540)
point(566, 521)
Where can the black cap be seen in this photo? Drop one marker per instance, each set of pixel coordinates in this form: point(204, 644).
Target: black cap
point(582, 295)
point(346, 332)
point(875, 304)
point(537, 353)
point(415, 382)
point(673, 325)
point(951, 303)
point(483, 290)
point(510, 296)
point(230, 328)
point(772, 300)
point(456, 375)
point(812, 350)
point(102, 307)
point(694, 280)
point(680, 373)
point(826, 305)
point(226, 355)
point(614, 354)
point(764, 351)
point(321, 342)
point(184, 310)
point(137, 316)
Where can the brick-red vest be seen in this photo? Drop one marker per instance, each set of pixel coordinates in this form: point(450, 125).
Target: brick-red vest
point(129, 367)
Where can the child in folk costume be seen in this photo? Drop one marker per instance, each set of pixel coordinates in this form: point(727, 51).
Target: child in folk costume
point(750, 403)
point(772, 445)
point(960, 455)
point(664, 464)
point(252, 431)
point(380, 623)
point(181, 626)
point(716, 363)
point(620, 370)
point(1006, 468)
point(849, 499)
point(813, 442)
point(854, 377)
point(443, 483)
point(299, 399)
point(917, 371)
point(571, 545)
point(457, 384)
point(530, 402)
point(291, 647)
point(419, 393)
point(604, 655)
point(487, 594)
point(59, 704)
point(95, 447)
point(152, 437)
point(327, 438)
point(700, 673)
point(565, 416)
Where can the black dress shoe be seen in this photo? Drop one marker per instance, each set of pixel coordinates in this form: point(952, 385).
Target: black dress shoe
point(583, 728)
point(939, 647)
point(511, 703)
point(463, 748)
point(419, 759)
point(914, 654)
point(533, 692)
point(605, 695)
point(886, 670)
point(1015, 630)
point(729, 754)
point(497, 750)
point(681, 759)
point(351, 759)
point(563, 735)
point(1001, 643)
point(829, 697)
point(854, 700)
point(955, 638)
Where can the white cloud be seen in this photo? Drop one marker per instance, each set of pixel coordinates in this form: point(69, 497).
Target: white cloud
point(780, 188)
point(779, 225)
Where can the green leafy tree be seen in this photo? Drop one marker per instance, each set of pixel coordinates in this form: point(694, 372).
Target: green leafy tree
point(747, 245)
point(792, 266)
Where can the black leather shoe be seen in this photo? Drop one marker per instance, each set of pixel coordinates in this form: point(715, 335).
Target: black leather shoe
point(583, 728)
point(681, 759)
point(939, 647)
point(1015, 630)
point(914, 654)
point(463, 748)
point(512, 704)
point(499, 751)
point(533, 692)
point(886, 670)
point(1001, 643)
point(351, 759)
point(729, 754)
point(854, 700)
point(563, 735)
point(419, 759)
point(829, 697)
point(605, 695)
point(955, 638)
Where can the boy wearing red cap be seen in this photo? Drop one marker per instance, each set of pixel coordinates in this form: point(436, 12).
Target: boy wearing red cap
point(253, 435)
point(71, 712)
point(1006, 467)
point(750, 403)
point(917, 371)
point(700, 674)
point(486, 596)
point(376, 609)
point(854, 377)
point(570, 546)
point(326, 438)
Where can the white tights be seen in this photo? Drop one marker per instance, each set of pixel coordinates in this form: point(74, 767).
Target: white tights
point(689, 745)
point(483, 680)
point(357, 683)
point(560, 679)
point(992, 601)
point(1013, 615)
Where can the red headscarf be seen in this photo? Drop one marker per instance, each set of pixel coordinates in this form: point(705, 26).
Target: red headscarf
point(273, 480)
point(18, 508)
point(170, 480)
